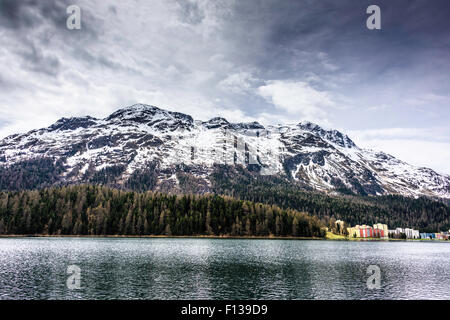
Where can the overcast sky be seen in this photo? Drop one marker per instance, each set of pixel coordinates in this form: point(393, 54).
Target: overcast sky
point(274, 61)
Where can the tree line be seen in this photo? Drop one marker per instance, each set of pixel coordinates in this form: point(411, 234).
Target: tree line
point(100, 210)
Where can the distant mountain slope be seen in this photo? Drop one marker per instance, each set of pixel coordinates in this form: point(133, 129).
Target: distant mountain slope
point(422, 213)
point(144, 147)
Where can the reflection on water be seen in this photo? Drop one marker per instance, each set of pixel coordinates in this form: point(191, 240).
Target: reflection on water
point(35, 268)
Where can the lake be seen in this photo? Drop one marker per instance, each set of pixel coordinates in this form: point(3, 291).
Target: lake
point(166, 268)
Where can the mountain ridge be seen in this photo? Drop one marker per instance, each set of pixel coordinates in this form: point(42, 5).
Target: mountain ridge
point(138, 137)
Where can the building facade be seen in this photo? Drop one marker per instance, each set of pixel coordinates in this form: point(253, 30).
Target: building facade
point(410, 233)
point(378, 230)
point(427, 235)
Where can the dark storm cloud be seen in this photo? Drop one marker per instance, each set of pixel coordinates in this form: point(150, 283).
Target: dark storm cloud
point(23, 18)
point(289, 30)
point(35, 60)
point(13, 15)
point(190, 12)
point(28, 13)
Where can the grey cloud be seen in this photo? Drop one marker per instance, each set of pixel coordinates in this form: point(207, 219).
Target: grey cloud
point(190, 12)
point(13, 14)
point(25, 15)
point(4, 122)
point(35, 60)
point(113, 9)
point(102, 61)
point(37, 30)
point(6, 84)
point(28, 13)
point(271, 34)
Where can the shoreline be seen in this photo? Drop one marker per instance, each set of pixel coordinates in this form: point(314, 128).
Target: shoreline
point(210, 237)
point(156, 236)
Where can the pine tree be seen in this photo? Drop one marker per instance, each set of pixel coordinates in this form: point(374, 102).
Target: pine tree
point(78, 227)
point(146, 227)
point(2, 226)
point(295, 227)
point(167, 231)
point(277, 226)
point(66, 223)
point(209, 230)
point(248, 227)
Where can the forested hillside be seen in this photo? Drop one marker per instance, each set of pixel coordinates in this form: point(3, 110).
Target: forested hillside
point(424, 214)
point(100, 210)
point(237, 182)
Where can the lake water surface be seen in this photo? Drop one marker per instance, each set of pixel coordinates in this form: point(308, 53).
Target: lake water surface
point(163, 268)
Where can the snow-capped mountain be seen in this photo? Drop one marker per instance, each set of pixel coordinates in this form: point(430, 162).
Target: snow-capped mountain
point(139, 137)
